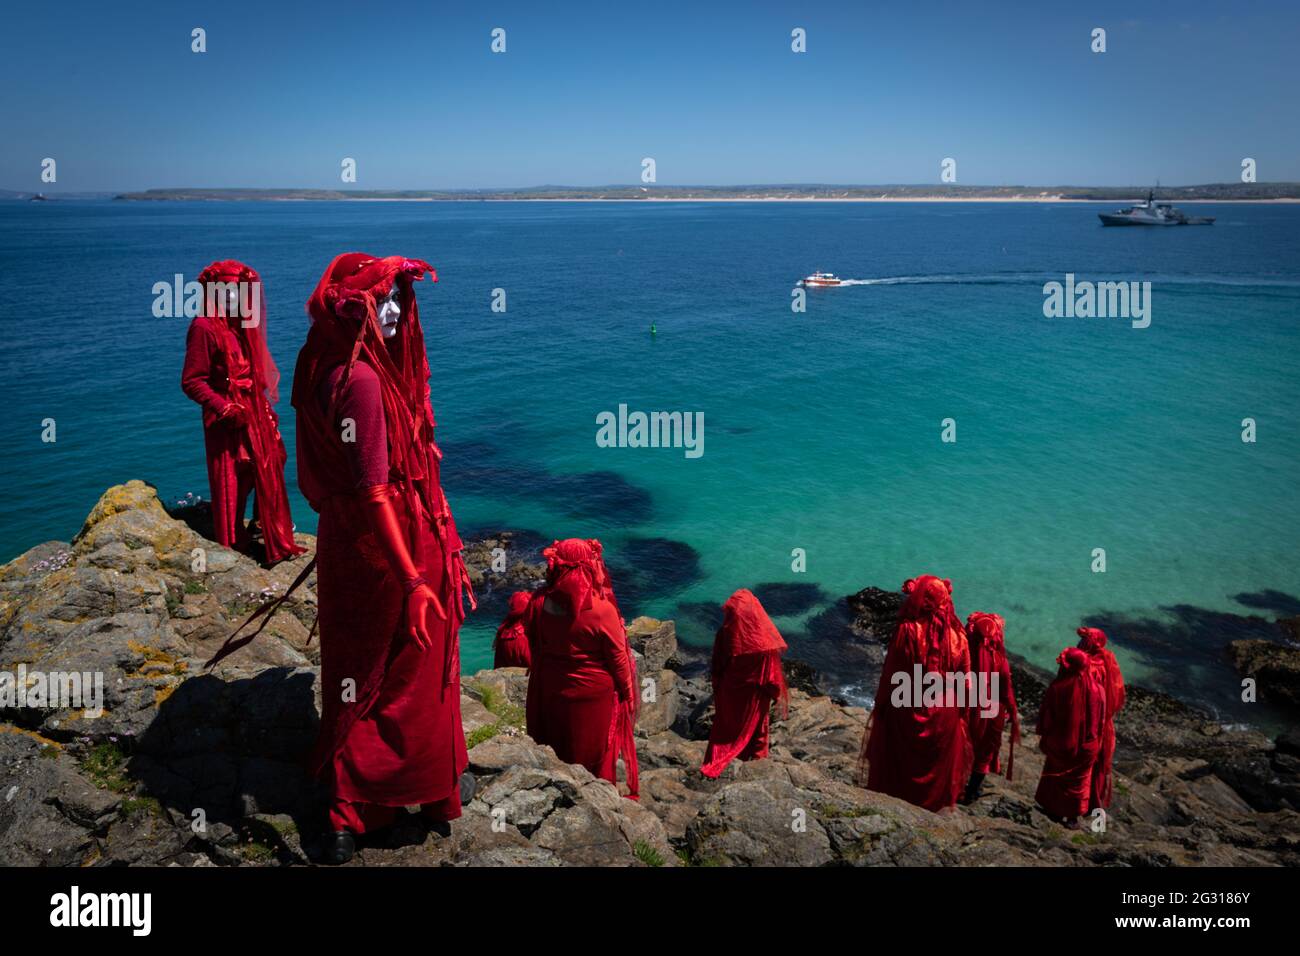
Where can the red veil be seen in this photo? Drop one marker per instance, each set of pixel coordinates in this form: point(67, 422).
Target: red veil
point(921, 754)
point(266, 376)
point(576, 569)
point(988, 655)
point(344, 328)
point(1092, 641)
point(1071, 725)
point(746, 629)
point(747, 678)
point(576, 655)
point(246, 332)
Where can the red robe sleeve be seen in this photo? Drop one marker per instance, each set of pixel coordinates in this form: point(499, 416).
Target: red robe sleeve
point(361, 403)
point(199, 346)
point(615, 648)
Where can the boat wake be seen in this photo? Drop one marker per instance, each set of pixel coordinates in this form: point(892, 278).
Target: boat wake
point(1035, 278)
point(995, 279)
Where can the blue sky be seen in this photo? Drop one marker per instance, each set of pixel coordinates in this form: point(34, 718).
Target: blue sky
point(712, 91)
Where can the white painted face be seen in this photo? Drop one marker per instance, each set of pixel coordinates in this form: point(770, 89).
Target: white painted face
point(390, 311)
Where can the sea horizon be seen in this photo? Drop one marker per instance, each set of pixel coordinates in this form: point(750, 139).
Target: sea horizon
point(1227, 192)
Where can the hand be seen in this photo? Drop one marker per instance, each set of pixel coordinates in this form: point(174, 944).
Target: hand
point(233, 412)
point(421, 603)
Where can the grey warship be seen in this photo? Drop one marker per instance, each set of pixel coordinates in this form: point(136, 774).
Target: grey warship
point(1152, 213)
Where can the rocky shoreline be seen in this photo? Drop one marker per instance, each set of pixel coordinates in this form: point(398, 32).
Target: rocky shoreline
point(193, 768)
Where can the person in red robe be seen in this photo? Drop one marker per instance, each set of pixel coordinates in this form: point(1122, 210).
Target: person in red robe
point(510, 648)
point(1092, 641)
point(582, 699)
point(1071, 727)
point(991, 673)
point(390, 581)
point(747, 679)
point(917, 744)
point(229, 372)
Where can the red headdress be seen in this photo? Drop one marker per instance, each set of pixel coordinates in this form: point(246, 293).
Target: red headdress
point(746, 629)
point(518, 604)
point(1091, 639)
point(512, 627)
point(1087, 697)
point(575, 568)
point(345, 327)
point(249, 326)
point(929, 603)
point(986, 629)
point(927, 595)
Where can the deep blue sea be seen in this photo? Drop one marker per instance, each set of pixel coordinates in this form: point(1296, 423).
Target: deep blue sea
point(822, 429)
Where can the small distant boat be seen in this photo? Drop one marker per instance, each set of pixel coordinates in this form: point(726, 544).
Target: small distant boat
point(821, 279)
point(40, 197)
point(1152, 213)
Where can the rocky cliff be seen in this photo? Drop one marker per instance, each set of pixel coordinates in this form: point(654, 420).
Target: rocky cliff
point(187, 767)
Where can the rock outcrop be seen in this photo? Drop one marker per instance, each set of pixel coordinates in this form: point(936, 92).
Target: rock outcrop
point(187, 767)
point(1276, 668)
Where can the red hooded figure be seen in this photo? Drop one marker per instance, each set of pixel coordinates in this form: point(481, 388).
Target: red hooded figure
point(988, 661)
point(917, 746)
point(510, 649)
point(1071, 725)
point(582, 698)
point(390, 579)
point(229, 371)
point(747, 678)
point(1092, 641)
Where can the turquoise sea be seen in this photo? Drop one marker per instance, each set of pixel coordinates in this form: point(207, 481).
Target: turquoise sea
point(822, 429)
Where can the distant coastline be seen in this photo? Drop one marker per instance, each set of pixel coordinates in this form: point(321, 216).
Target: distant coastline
point(1213, 192)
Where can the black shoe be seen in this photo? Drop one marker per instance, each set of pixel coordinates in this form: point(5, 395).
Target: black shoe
point(340, 847)
point(468, 787)
point(409, 830)
point(440, 827)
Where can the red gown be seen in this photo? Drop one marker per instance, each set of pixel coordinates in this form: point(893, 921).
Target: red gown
point(510, 648)
point(921, 754)
point(1093, 642)
point(391, 732)
point(988, 656)
point(1071, 724)
point(747, 678)
point(226, 363)
point(582, 686)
